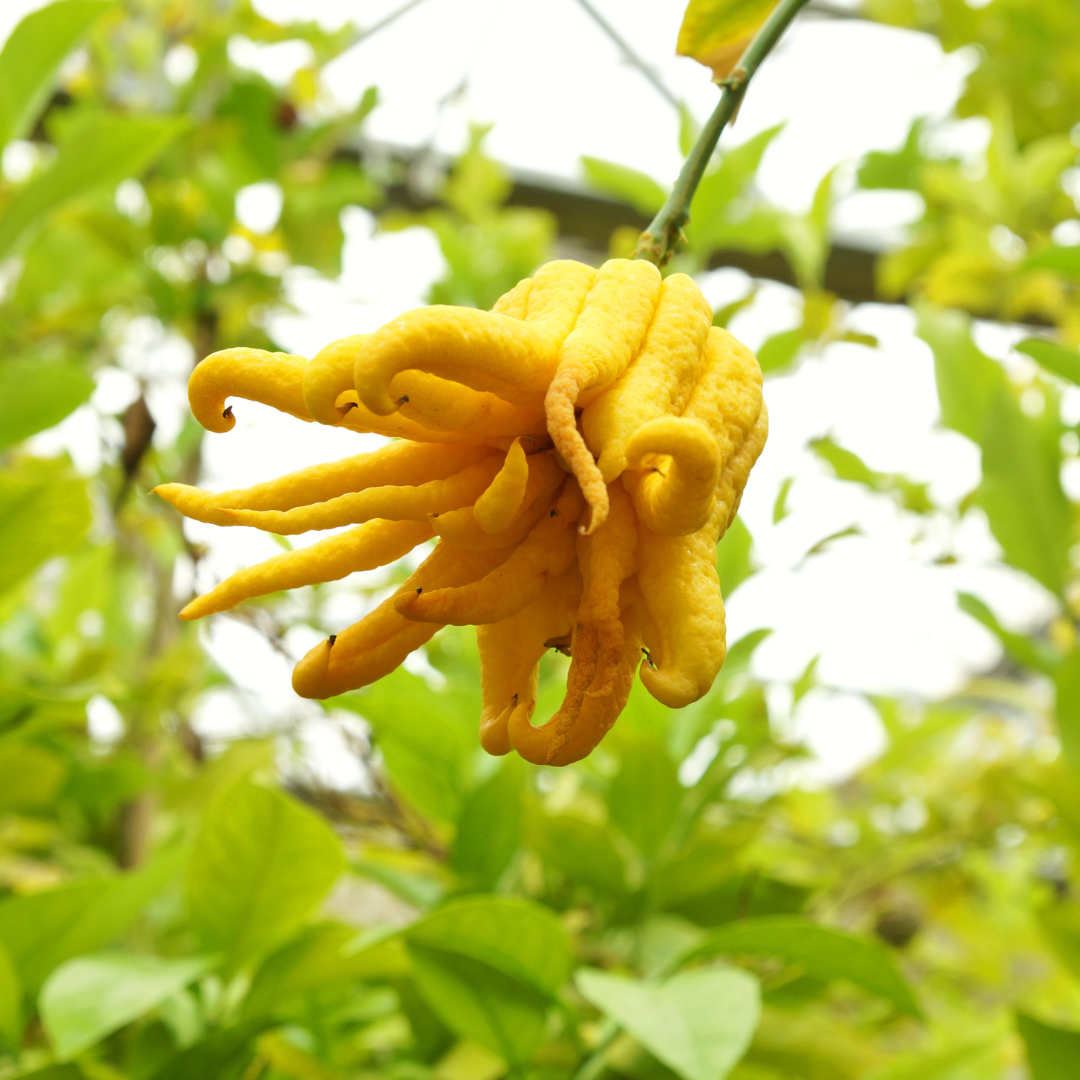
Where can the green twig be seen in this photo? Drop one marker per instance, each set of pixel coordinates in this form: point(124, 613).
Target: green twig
point(659, 240)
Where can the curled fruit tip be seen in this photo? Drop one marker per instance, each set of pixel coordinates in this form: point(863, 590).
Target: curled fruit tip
point(331, 639)
point(227, 414)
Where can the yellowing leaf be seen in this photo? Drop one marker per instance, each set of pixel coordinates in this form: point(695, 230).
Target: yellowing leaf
point(716, 32)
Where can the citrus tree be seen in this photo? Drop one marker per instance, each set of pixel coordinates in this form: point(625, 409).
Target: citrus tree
point(675, 903)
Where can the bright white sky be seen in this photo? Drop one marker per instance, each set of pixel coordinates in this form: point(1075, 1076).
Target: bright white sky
point(875, 607)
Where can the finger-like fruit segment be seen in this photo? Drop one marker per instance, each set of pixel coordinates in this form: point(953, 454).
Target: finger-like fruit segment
point(393, 502)
point(479, 349)
point(546, 553)
point(363, 548)
point(661, 378)
point(606, 337)
point(673, 467)
point(510, 650)
point(275, 379)
point(399, 463)
point(499, 504)
point(379, 642)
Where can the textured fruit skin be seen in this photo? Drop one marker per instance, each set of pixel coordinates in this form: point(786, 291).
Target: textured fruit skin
point(578, 451)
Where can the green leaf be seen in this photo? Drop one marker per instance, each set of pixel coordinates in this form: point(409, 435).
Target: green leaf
point(489, 829)
point(581, 849)
point(723, 315)
point(36, 394)
point(1021, 488)
point(968, 381)
point(422, 742)
point(849, 466)
point(1030, 652)
point(645, 794)
point(698, 1023)
point(1055, 358)
point(778, 351)
point(515, 936)
point(1021, 491)
point(10, 1001)
point(1060, 922)
point(822, 952)
point(897, 170)
point(44, 511)
point(628, 185)
point(260, 864)
point(92, 996)
point(1052, 1052)
point(502, 1014)
point(101, 148)
point(31, 57)
point(707, 894)
point(44, 929)
point(937, 1064)
point(1067, 683)
point(320, 957)
point(780, 506)
point(734, 557)
point(715, 32)
point(224, 1054)
point(29, 777)
point(718, 190)
point(1061, 260)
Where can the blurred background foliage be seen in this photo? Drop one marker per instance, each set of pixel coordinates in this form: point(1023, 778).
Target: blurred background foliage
point(674, 905)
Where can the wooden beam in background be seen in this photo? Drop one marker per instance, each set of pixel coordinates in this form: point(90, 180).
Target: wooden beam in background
point(587, 220)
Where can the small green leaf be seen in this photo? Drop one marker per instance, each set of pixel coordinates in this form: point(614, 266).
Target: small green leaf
point(937, 1064)
point(10, 1002)
point(260, 864)
point(44, 511)
point(848, 466)
point(478, 1002)
point(716, 32)
point(1052, 1052)
point(32, 56)
point(320, 957)
point(698, 1023)
point(1030, 652)
point(1021, 492)
point(1055, 358)
point(42, 930)
point(734, 557)
point(723, 315)
point(425, 748)
point(897, 170)
point(967, 379)
point(1061, 260)
point(583, 850)
point(489, 829)
point(1067, 683)
point(225, 1053)
point(778, 352)
point(29, 777)
point(36, 394)
point(780, 506)
point(101, 148)
point(628, 185)
point(645, 793)
point(515, 936)
point(89, 997)
point(821, 951)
